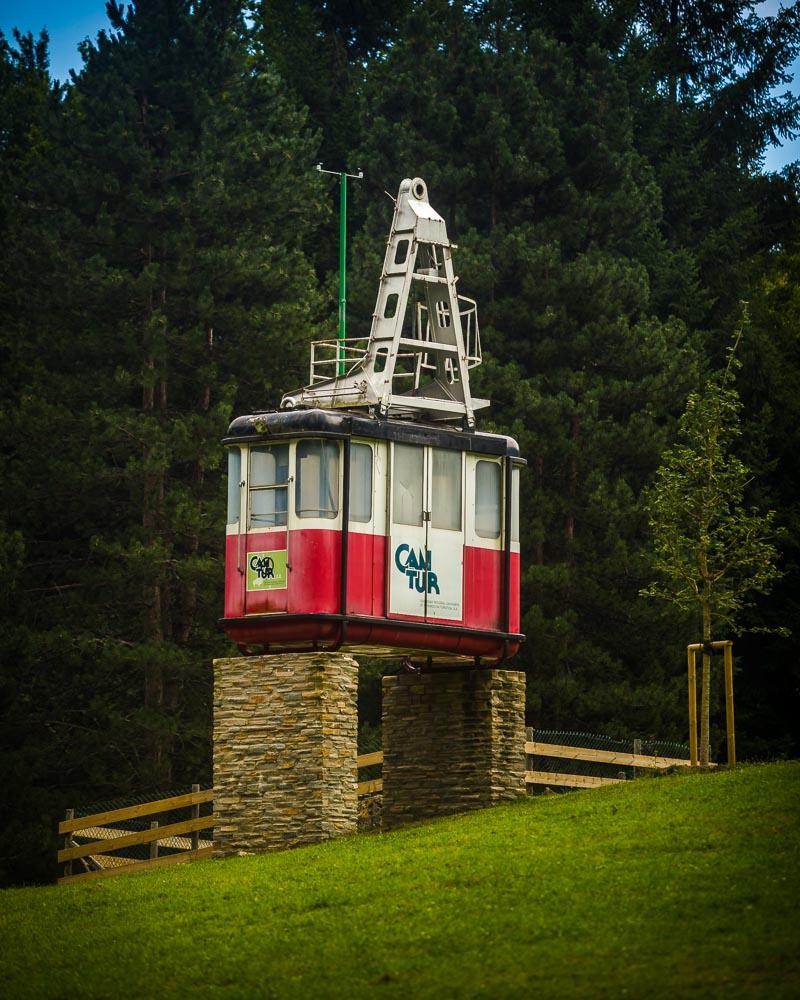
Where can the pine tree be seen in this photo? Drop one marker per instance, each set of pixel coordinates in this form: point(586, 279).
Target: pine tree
point(192, 213)
point(171, 285)
point(37, 712)
point(321, 51)
point(707, 86)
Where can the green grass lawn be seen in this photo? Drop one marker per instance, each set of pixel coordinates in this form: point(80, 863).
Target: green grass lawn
point(680, 886)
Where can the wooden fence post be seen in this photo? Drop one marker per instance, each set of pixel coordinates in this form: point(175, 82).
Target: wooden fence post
point(528, 739)
point(70, 814)
point(196, 815)
point(692, 706)
point(637, 749)
point(729, 723)
point(153, 843)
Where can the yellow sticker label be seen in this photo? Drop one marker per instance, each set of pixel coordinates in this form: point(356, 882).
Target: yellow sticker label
point(266, 570)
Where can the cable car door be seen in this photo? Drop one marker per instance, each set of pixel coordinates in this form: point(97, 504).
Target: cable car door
point(267, 505)
point(426, 541)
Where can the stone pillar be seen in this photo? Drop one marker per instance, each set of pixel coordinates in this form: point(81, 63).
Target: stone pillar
point(285, 744)
point(452, 741)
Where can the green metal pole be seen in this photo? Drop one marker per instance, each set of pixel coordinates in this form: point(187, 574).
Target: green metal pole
point(341, 352)
point(342, 270)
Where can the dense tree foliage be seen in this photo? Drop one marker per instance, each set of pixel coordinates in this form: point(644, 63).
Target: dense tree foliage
point(170, 251)
point(528, 147)
point(159, 281)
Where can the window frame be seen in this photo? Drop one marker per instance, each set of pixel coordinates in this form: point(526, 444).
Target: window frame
point(234, 492)
point(280, 517)
point(479, 532)
point(318, 513)
point(371, 485)
point(420, 450)
point(459, 494)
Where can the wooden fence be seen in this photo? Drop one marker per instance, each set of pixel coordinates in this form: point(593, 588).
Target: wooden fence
point(556, 778)
point(183, 841)
point(613, 757)
point(89, 840)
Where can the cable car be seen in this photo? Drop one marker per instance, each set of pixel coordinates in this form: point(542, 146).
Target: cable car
point(368, 514)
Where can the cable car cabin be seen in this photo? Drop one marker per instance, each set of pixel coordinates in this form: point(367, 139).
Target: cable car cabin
point(359, 517)
point(347, 531)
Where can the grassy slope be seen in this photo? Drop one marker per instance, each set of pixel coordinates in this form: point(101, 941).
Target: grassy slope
point(679, 886)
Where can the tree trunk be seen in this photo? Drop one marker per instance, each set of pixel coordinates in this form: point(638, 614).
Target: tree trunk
point(155, 597)
point(538, 545)
point(189, 590)
point(672, 52)
point(572, 487)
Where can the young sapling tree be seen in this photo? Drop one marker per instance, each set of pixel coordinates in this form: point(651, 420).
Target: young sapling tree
point(711, 552)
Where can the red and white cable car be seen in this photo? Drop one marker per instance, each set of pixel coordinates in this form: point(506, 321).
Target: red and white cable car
point(359, 517)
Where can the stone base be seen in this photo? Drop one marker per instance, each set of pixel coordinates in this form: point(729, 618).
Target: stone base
point(285, 744)
point(452, 741)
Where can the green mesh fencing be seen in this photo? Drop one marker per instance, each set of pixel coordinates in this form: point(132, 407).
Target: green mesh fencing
point(369, 741)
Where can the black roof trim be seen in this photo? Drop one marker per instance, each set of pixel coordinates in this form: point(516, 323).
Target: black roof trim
point(281, 424)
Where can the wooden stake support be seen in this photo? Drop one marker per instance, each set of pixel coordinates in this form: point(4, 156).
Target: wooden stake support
point(727, 651)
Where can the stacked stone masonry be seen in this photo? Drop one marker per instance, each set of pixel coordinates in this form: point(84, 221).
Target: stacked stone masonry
point(452, 741)
point(285, 736)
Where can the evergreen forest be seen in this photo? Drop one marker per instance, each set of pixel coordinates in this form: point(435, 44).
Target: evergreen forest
point(169, 252)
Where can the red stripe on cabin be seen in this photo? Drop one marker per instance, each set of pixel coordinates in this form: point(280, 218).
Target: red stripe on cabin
point(314, 577)
point(234, 580)
point(483, 596)
point(315, 571)
point(366, 569)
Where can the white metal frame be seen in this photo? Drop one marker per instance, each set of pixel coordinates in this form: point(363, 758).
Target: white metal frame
point(436, 347)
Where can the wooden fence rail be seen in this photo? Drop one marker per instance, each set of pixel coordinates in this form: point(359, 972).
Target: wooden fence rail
point(602, 756)
point(368, 760)
point(560, 779)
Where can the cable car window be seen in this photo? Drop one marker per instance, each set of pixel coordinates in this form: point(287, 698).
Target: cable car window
point(515, 505)
point(487, 499)
point(407, 484)
point(234, 480)
point(317, 491)
point(269, 474)
point(360, 483)
point(446, 490)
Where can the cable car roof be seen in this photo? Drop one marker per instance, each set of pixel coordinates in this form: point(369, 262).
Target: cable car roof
point(283, 424)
